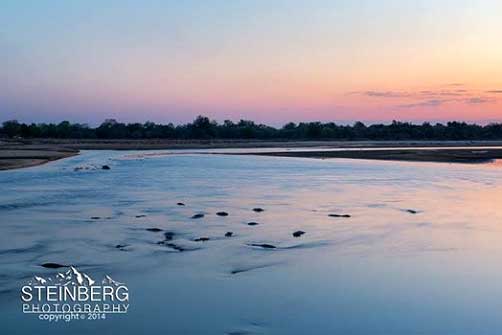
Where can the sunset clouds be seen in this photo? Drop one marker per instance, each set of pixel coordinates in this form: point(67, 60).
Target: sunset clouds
point(433, 97)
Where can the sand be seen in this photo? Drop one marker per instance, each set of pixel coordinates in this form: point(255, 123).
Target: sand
point(25, 153)
point(21, 156)
point(460, 155)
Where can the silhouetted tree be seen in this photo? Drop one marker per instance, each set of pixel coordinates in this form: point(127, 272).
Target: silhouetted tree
point(204, 128)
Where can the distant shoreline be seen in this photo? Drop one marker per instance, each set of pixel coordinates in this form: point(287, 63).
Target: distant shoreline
point(439, 155)
point(15, 154)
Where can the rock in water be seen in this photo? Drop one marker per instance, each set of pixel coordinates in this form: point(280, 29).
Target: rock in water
point(198, 216)
point(298, 233)
point(202, 239)
point(175, 247)
point(252, 223)
point(155, 230)
point(222, 214)
point(258, 209)
point(168, 235)
point(180, 204)
point(412, 211)
point(339, 215)
point(53, 265)
point(95, 218)
point(228, 234)
point(265, 246)
point(105, 167)
point(141, 216)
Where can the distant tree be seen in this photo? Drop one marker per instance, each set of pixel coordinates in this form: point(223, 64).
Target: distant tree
point(204, 128)
point(12, 128)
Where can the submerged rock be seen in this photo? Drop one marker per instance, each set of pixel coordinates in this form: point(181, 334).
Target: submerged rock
point(53, 265)
point(248, 268)
point(253, 223)
point(298, 233)
point(264, 245)
point(222, 214)
point(122, 247)
point(105, 167)
point(198, 216)
point(175, 247)
point(339, 215)
point(85, 168)
point(228, 234)
point(155, 230)
point(258, 209)
point(180, 204)
point(202, 239)
point(168, 235)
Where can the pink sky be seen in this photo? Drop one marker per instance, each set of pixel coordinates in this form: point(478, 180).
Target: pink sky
point(269, 62)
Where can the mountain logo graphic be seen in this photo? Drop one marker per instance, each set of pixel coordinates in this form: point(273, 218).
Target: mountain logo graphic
point(72, 277)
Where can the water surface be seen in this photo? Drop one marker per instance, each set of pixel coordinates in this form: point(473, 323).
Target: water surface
point(385, 270)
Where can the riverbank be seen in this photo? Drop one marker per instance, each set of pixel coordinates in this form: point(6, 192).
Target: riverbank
point(16, 155)
point(24, 153)
point(167, 144)
point(460, 155)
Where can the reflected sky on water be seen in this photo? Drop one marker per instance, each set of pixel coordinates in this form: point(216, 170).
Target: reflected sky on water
point(419, 253)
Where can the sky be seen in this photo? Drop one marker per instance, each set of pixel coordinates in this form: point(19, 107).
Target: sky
point(268, 61)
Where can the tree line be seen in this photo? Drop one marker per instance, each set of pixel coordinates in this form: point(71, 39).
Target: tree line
point(204, 128)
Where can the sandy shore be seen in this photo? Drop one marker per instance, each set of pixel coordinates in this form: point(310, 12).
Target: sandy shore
point(25, 153)
point(16, 155)
point(460, 155)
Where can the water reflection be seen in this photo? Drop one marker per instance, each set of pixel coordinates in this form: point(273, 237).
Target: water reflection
point(418, 254)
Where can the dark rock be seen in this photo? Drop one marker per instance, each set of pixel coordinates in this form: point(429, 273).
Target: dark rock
point(175, 247)
point(198, 216)
point(339, 215)
point(412, 211)
point(95, 218)
point(155, 230)
point(249, 268)
point(168, 235)
point(141, 216)
point(228, 234)
point(258, 209)
point(180, 204)
point(121, 246)
point(105, 167)
point(265, 246)
point(53, 265)
point(222, 214)
point(298, 233)
point(252, 223)
point(202, 239)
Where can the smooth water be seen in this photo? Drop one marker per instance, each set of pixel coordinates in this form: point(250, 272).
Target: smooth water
point(384, 270)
